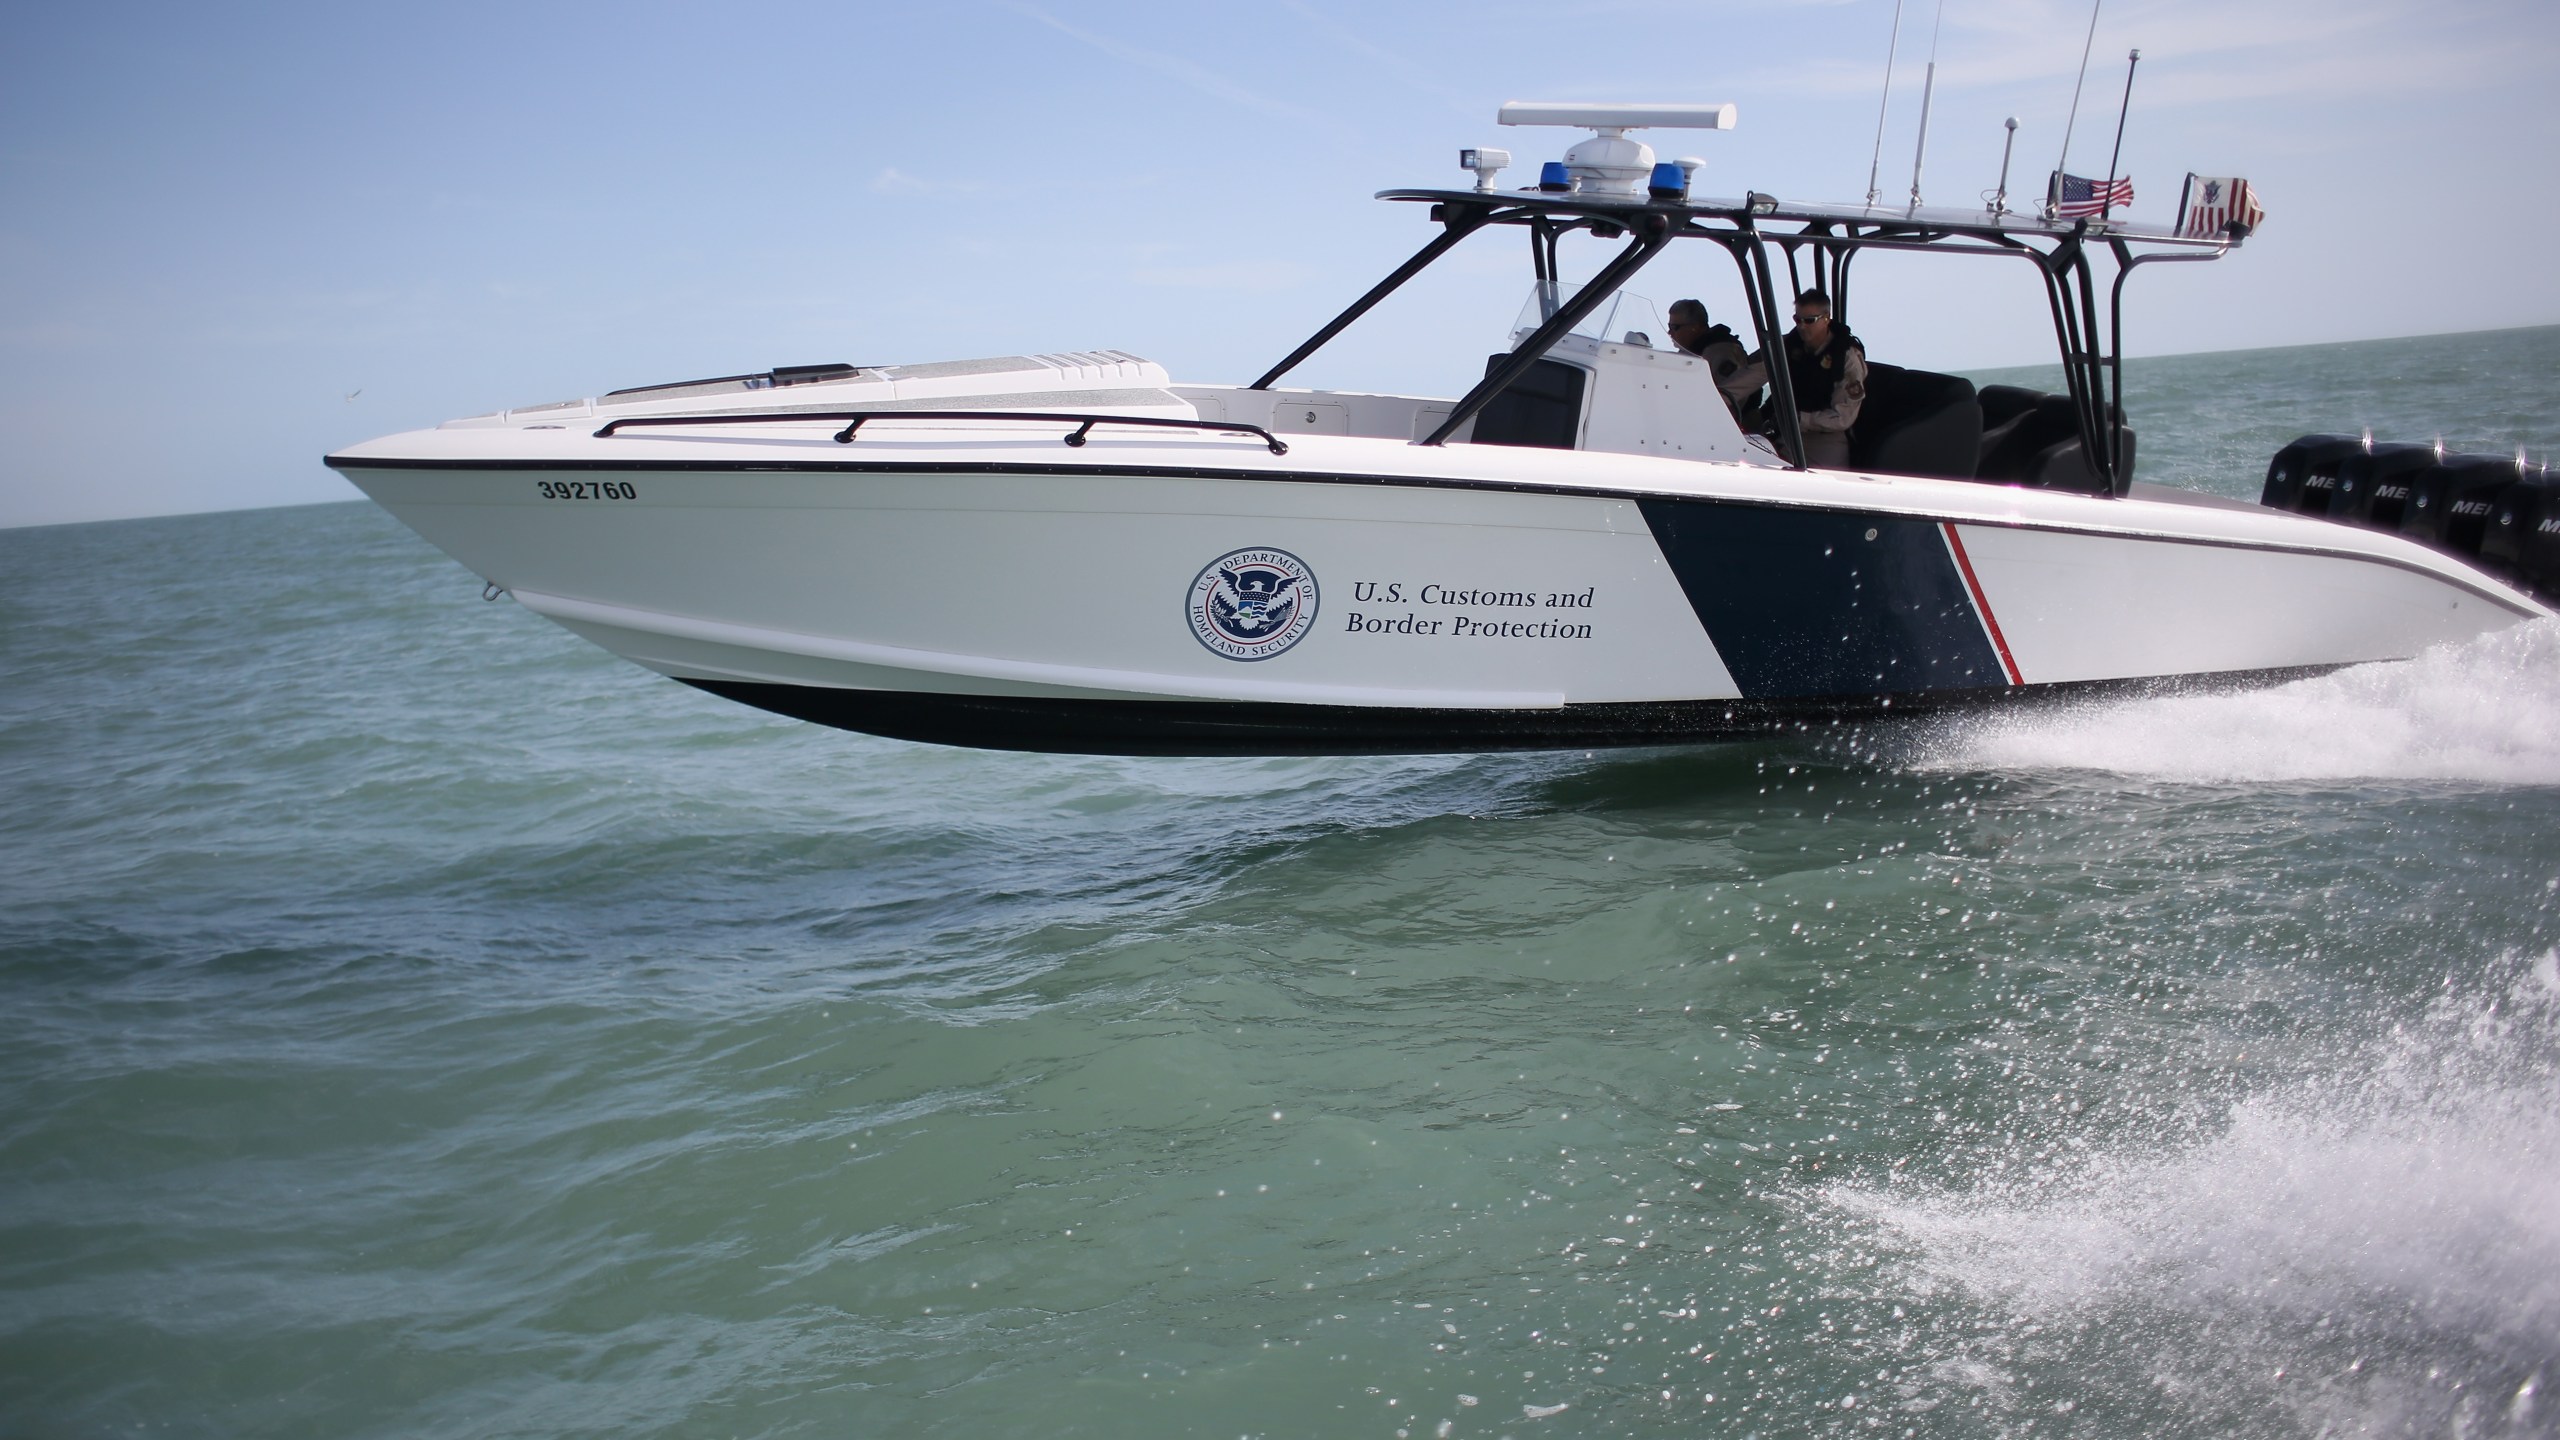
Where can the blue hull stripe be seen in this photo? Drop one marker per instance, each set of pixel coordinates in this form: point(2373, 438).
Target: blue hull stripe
point(1803, 603)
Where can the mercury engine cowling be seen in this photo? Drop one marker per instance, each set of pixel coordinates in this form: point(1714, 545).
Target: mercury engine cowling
point(2492, 509)
point(2522, 537)
point(2375, 483)
point(2450, 501)
point(2305, 473)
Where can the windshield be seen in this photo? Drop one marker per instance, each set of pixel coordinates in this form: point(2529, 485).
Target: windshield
point(1626, 317)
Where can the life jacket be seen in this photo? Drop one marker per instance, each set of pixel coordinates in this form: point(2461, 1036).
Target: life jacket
point(1723, 352)
point(1718, 337)
point(1814, 372)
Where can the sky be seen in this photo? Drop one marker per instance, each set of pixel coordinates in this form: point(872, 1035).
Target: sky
point(234, 237)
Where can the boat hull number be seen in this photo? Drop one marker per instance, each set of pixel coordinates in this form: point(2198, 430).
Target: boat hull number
point(586, 489)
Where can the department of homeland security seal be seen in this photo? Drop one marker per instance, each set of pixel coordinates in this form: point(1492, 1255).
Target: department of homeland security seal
point(1252, 604)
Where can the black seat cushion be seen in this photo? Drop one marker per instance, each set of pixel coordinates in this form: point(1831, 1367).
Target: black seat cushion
point(2008, 451)
point(1541, 408)
point(2040, 445)
point(1916, 422)
point(2003, 403)
point(2064, 465)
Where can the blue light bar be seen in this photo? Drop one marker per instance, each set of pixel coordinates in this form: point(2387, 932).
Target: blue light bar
point(1670, 182)
point(1553, 176)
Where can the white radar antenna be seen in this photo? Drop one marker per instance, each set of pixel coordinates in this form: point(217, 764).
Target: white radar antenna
point(1609, 163)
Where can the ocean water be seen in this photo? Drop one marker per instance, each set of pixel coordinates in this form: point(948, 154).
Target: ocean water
point(416, 1023)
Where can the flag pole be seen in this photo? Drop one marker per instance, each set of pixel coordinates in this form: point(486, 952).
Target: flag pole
point(2109, 204)
point(2000, 197)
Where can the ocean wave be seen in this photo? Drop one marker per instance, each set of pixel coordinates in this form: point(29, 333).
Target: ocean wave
point(2372, 1249)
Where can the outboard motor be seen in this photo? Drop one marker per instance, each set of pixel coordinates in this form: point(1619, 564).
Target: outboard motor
point(2522, 537)
point(2450, 501)
point(2289, 474)
point(2538, 551)
point(2488, 508)
point(2375, 481)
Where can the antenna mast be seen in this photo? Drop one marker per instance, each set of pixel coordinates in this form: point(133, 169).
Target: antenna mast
point(2065, 162)
point(1877, 159)
point(1927, 88)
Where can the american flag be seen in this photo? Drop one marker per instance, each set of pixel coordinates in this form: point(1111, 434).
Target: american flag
point(2214, 202)
point(2073, 197)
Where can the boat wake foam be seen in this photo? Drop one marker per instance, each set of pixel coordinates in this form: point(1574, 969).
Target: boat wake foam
point(2486, 711)
point(2374, 1249)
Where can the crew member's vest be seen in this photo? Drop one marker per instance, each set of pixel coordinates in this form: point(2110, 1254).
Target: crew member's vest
point(1723, 352)
point(1814, 372)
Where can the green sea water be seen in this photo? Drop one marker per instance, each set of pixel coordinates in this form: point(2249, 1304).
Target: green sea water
point(414, 1022)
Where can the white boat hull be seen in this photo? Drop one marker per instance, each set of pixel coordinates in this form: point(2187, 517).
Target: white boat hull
point(988, 586)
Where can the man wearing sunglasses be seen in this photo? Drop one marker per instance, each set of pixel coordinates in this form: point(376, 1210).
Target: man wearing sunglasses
point(1828, 367)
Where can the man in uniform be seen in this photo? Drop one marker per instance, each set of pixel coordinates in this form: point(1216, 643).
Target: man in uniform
point(1715, 344)
point(1828, 368)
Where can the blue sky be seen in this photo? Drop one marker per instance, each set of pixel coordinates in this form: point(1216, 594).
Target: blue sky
point(234, 237)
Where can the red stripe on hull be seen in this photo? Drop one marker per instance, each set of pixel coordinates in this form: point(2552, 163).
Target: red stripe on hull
point(1981, 603)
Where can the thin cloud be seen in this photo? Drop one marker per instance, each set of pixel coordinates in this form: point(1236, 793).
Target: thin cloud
point(2194, 51)
point(1415, 76)
point(894, 181)
point(1246, 275)
point(1199, 77)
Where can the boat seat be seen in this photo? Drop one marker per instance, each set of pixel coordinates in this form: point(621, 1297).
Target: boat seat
point(1542, 408)
point(1916, 422)
point(2063, 465)
point(2039, 445)
point(2027, 432)
point(2003, 403)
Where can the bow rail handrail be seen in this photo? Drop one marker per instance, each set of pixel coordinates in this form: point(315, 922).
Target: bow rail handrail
point(854, 420)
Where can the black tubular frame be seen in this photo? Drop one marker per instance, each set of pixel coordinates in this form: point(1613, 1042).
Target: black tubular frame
point(1754, 260)
point(2092, 345)
point(1457, 221)
point(854, 420)
point(1653, 233)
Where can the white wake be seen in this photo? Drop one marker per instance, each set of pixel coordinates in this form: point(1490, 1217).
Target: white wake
point(2485, 711)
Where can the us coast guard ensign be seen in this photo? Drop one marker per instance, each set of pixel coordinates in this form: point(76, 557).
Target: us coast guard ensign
point(1252, 604)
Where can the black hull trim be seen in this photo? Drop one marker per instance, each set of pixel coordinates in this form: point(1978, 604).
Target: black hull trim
point(1213, 727)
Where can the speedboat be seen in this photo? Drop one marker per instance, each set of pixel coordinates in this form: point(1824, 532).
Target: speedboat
point(1076, 552)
